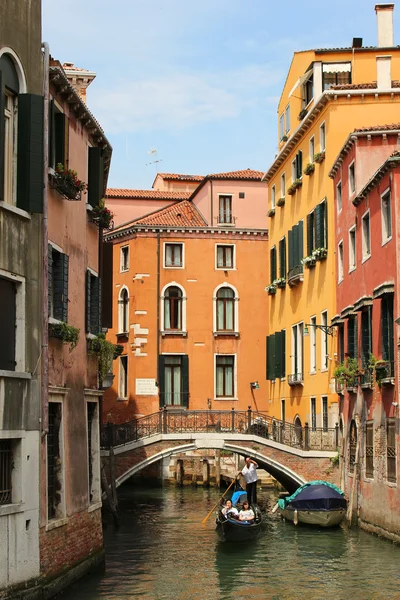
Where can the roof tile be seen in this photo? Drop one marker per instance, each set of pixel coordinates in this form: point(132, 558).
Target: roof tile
point(369, 85)
point(181, 214)
point(179, 177)
point(245, 174)
point(146, 194)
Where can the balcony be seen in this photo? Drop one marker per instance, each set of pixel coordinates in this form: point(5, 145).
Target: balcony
point(295, 379)
point(366, 380)
point(295, 275)
point(339, 386)
point(352, 385)
point(384, 372)
point(225, 218)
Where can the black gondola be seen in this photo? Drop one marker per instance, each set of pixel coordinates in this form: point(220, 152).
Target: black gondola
point(232, 530)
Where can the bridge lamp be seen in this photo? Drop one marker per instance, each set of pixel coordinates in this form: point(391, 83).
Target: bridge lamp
point(254, 385)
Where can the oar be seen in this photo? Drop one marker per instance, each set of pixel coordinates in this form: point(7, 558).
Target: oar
point(215, 505)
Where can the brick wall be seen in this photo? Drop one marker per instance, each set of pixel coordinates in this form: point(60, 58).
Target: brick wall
point(66, 546)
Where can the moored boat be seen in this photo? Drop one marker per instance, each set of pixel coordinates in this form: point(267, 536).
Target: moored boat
point(233, 530)
point(315, 503)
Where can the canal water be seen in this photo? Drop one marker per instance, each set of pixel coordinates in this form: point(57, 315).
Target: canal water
point(162, 552)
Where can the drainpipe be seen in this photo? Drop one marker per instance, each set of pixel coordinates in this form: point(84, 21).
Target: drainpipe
point(212, 202)
point(45, 251)
point(158, 315)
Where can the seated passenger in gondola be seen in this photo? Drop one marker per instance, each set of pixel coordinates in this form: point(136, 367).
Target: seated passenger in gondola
point(246, 514)
point(229, 511)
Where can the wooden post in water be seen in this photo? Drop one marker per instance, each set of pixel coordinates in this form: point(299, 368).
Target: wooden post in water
point(112, 477)
point(354, 484)
point(179, 472)
point(206, 473)
point(217, 469)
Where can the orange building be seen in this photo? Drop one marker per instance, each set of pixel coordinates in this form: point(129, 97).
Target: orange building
point(189, 304)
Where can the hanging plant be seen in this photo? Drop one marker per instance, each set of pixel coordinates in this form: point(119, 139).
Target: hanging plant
point(291, 190)
point(297, 183)
point(106, 352)
point(280, 282)
point(348, 371)
point(309, 261)
point(67, 183)
point(310, 168)
point(271, 289)
point(319, 157)
point(271, 212)
point(281, 201)
point(102, 216)
point(64, 332)
point(320, 253)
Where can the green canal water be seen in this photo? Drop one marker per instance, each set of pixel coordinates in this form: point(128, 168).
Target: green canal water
point(162, 552)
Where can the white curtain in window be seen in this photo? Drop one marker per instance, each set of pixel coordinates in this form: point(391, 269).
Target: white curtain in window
point(220, 381)
point(168, 254)
point(167, 314)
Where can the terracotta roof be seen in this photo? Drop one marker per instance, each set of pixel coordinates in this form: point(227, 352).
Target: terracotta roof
point(369, 85)
point(181, 214)
point(389, 127)
point(391, 162)
point(246, 174)
point(179, 177)
point(145, 194)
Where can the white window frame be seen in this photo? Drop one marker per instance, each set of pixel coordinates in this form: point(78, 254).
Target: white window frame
point(235, 371)
point(385, 237)
point(120, 375)
point(365, 255)
point(352, 178)
point(281, 126)
point(324, 342)
point(293, 170)
point(311, 148)
point(165, 255)
point(287, 119)
point(121, 309)
point(313, 345)
point(20, 319)
point(56, 398)
point(340, 261)
point(322, 137)
point(298, 330)
point(18, 490)
point(233, 268)
point(322, 412)
point(283, 185)
point(352, 267)
point(10, 147)
point(312, 426)
point(182, 331)
point(236, 310)
point(121, 265)
point(339, 196)
point(283, 412)
point(273, 196)
point(95, 489)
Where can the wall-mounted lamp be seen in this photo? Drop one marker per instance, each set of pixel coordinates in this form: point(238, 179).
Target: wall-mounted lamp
point(328, 329)
point(254, 385)
point(209, 403)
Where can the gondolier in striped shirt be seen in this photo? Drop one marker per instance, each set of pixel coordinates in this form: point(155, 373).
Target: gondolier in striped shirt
point(249, 473)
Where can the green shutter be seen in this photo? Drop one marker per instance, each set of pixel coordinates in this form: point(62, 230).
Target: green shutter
point(52, 134)
point(30, 176)
point(310, 234)
point(185, 380)
point(59, 135)
point(355, 337)
point(387, 328)
point(2, 137)
point(64, 271)
point(300, 246)
point(271, 357)
point(325, 222)
point(366, 336)
point(107, 285)
point(272, 253)
point(318, 238)
point(341, 342)
point(282, 257)
point(291, 248)
point(299, 164)
point(350, 337)
point(161, 379)
point(295, 230)
point(88, 300)
point(50, 276)
point(278, 354)
point(95, 176)
point(94, 304)
point(283, 355)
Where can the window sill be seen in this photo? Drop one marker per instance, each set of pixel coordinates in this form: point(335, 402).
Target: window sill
point(391, 484)
point(94, 506)
point(174, 333)
point(226, 225)
point(324, 370)
point(11, 509)
point(384, 242)
point(15, 374)
point(121, 335)
point(173, 267)
point(14, 209)
point(91, 336)
point(53, 321)
point(352, 269)
point(225, 268)
point(89, 207)
point(365, 258)
point(313, 372)
point(124, 270)
point(121, 399)
point(235, 334)
point(225, 399)
point(55, 523)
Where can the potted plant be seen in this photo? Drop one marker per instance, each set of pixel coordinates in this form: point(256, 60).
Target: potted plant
point(309, 261)
point(271, 289)
point(271, 212)
point(281, 201)
point(291, 190)
point(106, 352)
point(310, 168)
point(297, 183)
point(348, 372)
point(102, 216)
point(319, 157)
point(302, 114)
point(320, 253)
point(67, 183)
point(64, 332)
point(280, 282)
point(284, 138)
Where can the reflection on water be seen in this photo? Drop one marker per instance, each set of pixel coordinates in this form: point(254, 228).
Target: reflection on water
point(162, 552)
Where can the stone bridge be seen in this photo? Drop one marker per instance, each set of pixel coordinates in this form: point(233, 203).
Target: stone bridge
point(291, 454)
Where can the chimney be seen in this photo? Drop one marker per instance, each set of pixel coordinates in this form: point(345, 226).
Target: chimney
point(384, 13)
point(384, 72)
point(80, 79)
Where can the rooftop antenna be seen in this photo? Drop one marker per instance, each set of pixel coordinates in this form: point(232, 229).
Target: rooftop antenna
point(153, 152)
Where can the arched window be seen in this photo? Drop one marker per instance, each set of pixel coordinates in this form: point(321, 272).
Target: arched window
point(9, 106)
point(123, 315)
point(173, 308)
point(225, 309)
point(352, 445)
point(298, 431)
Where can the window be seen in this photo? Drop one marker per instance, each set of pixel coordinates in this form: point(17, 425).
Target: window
point(340, 262)
point(322, 138)
point(335, 74)
point(58, 136)
point(387, 323)
point(281, 126)
point(339, 196)
point(123, 311)
point(6, 466)
point(324, 341)
point(325, 416)
point(92, 409)
point(10, 145)
point(225, 376)
point(313, 345)
point(282, 258)
point(273, 196)
point(276, 355)
point(386, 217)
point(295, 246)
point(352, 249)
point(311, 149)
point(366, 335)
point(297, 351)
point(352, 445)
point(287, 118)
point(294, 170)
point(225, 210)
point(174, 380)
point(8, 322)
point(283, 185)
point(55, 483)
point(352, 337)
point(123, 377)
point(317, 228)
point(283, 410)
point(225, 309)
point(352, 179)
point(225, 257)
point(308, 88)
point(58, 265)
point(93, 303)
point(272, 253)
point(313, 404)
point(173, 256)
point(124, 264)
point(173, 308)
point(391, 450)
point(297, 166)
point(366, 237)
point(341, 342)
point(369, 449)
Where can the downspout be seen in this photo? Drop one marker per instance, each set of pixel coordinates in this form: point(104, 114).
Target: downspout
point(158, 316)
point(45, 251)
point(211, 207)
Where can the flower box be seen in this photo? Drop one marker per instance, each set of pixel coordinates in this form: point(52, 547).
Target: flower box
point(319, 157)
point(297, 183)
point(67, 334)
point(271, 289)
point(280, 283)
point(271, 212)
point(320, 253)
point(281, 201)
point(302, 114)
point(291, 190)
point(284, 138)
point(102, 216)
point(67, 184)
point(310, 168)
point(309, 261)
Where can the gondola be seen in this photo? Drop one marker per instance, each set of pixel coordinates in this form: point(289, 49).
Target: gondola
point(315, 503)
point(232, 530)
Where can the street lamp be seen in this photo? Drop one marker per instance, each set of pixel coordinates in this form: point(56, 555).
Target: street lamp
point(328, 329)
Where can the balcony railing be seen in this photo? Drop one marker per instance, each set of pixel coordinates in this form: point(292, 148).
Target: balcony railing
point(384, 372)
point(295, 275)
point(339, 386)
point(225, 218)
point(295, 379)
point(366, 379)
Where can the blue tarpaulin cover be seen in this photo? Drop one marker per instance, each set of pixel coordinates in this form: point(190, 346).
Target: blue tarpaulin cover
point(315, 495)
point(238, 497)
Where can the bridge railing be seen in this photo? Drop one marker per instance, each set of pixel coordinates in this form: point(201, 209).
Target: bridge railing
point(220, 421)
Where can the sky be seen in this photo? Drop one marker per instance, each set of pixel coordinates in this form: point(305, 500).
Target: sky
point(198, 81)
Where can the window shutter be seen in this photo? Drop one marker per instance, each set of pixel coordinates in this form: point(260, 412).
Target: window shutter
point(2, 137)
point(185, 380)
point(88, 300)
point(278, 354)
point(64, 271)
point(366, 335)
point(7, 324)
point(300, 247)
point(161, 379)
point(299, 164)
point(30, 174)
point(295, 245)
point(95, 304)
point(52, 134)
point(282, 257)
point(58, 290)
point(350, 337)
point(318, 240)
point(324, 224)
point(50, 275)
point(106, 287)
point(95, 176)
point(309, 234)
point(291, 248)
point(387, 328)
point(273, 264)
point(271, 357)
point(60, 121)
point(283, 359)
point(355, 343)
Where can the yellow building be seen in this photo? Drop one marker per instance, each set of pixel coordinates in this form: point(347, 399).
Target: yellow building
point(327, 94)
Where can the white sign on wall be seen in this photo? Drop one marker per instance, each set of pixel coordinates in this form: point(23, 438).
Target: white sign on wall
point(146, 387)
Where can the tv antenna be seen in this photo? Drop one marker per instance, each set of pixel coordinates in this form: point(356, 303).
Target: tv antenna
point(153, 152)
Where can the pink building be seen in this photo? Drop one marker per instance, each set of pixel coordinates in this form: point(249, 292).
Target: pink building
point(366, 178)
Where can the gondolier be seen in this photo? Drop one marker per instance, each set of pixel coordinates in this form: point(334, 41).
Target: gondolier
point(249, 473)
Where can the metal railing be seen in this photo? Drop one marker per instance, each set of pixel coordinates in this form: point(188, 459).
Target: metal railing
point(225, 218)
point(295, 379)
point(295, 274)
point(175, 421)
